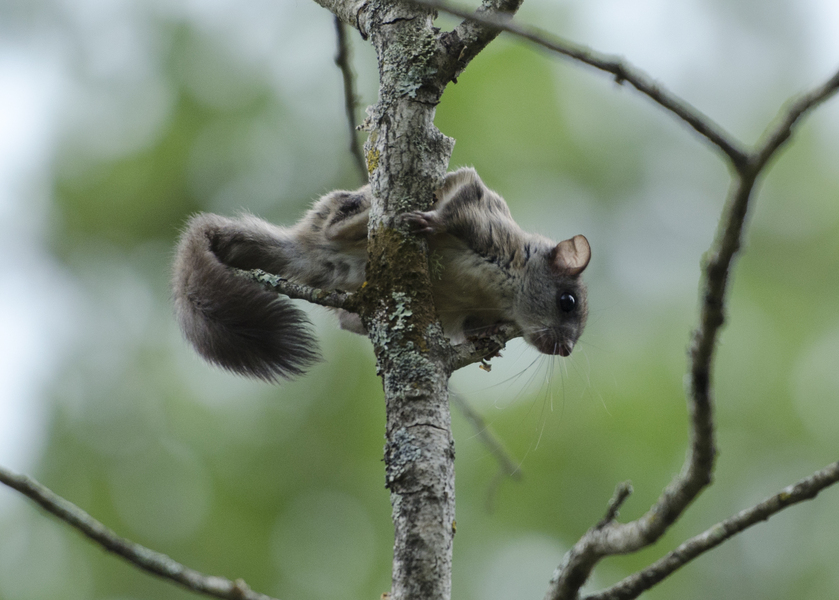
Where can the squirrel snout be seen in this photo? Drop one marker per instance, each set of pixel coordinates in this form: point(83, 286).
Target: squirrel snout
point(550, 342)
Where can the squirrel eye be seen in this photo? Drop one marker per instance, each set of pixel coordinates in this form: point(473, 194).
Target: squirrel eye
point(567, 302)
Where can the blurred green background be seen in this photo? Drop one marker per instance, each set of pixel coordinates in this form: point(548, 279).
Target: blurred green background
point(120, 118)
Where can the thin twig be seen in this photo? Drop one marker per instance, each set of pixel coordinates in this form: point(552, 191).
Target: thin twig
point(621, 495)
point(507, 466)
point(775, 136)
point(140, 556)
point(635, 584)
point(620, 69)
point(342, 59)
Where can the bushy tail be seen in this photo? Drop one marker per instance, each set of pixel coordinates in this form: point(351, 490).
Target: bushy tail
point(231, 320)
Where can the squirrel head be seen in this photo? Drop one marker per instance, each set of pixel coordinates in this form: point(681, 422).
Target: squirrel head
point(552, 310)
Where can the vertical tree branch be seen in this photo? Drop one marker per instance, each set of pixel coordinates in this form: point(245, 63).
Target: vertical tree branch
point(407, 158)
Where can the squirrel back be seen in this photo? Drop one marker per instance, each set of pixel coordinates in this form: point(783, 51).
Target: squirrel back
point(488, 271)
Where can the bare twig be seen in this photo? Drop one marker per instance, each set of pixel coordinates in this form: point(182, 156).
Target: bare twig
point(507, 466)
point(620, 69)
point(342, 59)
point(635, 584)
point(775, 136)
point(140, 556)
point(622, 493)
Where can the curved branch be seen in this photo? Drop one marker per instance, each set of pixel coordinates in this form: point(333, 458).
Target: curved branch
point(620, 69)
point(621, 538)
point(140, 556)
point(806, 489)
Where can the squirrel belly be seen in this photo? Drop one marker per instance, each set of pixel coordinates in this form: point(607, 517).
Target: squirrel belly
point(488, 271)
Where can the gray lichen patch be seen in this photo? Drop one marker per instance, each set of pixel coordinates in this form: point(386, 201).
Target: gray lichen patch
point(400, 453)
point(409, 60)
point(401, 311)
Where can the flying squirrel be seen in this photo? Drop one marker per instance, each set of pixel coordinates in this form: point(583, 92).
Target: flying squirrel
point(487, 271)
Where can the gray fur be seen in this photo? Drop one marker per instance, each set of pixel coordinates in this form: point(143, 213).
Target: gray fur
point(490, 271)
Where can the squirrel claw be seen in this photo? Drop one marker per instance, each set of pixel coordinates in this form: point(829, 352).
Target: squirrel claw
point(421, 223)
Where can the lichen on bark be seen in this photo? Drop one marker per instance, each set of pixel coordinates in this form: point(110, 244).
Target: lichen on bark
point(407, 158)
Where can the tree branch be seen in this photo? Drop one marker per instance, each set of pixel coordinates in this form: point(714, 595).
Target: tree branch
point(621, 495)
point(620, 69)
point(342, 59)
point(475, 36)
point(140, 556)
point(775, 136)
point(298, 291)
point(354, 13)
point(483, 347)
point(635, 584)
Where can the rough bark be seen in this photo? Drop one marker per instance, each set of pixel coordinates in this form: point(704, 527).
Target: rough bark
point(407, 157)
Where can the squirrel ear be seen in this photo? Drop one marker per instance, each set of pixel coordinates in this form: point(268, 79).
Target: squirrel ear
point(571, 257)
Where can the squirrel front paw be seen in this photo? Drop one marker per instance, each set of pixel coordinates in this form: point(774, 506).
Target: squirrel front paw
point(419, 222)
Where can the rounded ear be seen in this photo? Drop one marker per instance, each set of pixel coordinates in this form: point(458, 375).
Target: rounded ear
point(571, 257)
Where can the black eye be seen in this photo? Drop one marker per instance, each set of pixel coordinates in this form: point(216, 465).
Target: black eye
point(567, 302)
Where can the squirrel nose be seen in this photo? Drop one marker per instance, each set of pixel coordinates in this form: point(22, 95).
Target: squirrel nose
point(551, 342)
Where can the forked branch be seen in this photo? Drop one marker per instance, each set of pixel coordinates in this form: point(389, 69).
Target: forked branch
point(806, 489)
